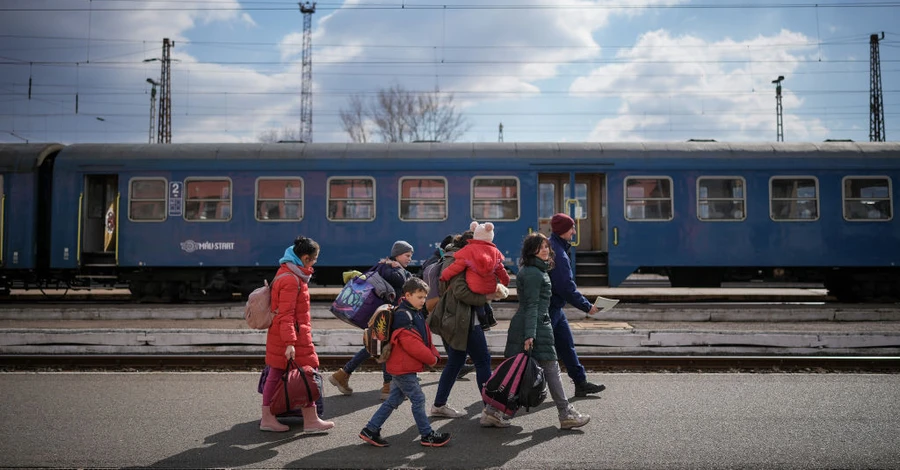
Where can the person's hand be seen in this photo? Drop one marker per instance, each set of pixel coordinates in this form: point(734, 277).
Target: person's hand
point(289, 352)
point(529, 343)
point(492, 296)
point(593, 310)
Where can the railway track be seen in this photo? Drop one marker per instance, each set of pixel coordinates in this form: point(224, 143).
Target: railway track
point(814, 364)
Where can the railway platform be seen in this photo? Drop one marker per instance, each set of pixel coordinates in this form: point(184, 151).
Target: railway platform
point(627, 329)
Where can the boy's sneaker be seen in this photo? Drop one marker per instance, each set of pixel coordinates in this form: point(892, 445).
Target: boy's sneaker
point(436, 439)
point(493, 419)
point(586, 388)
point(574, 419)
point(445, 412)
point(373, 437)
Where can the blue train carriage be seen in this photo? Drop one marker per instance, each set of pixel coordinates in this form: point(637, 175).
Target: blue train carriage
point(711, 212)
point(24, 180)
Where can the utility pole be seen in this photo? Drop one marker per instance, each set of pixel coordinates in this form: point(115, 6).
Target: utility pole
point(306, 76)
point(164, 135)
point(779, 123)
point(500, 136)
point(876, 104)
point(154, 84)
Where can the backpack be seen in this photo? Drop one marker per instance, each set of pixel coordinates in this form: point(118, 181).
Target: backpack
point(258, 311)
point(533, 388)
point(501, 391)
point(432, 275)
point(377, 335)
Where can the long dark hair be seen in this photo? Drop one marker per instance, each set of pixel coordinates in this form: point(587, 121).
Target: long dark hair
point(305, 246)
point(462, 239)
point(530, 246)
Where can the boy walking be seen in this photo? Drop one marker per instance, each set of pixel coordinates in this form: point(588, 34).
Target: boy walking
point(412, 350)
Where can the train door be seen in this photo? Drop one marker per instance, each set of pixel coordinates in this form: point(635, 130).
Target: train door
point(586, 202)
point(99, 221)
point(2, 222)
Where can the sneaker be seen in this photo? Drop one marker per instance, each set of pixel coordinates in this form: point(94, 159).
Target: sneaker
point(586, 388)
point(373, 437)
point(574, 419)
point(445, 412)
point(466, 369)
point(493, 419)
point(385, 391)
point(435, 439)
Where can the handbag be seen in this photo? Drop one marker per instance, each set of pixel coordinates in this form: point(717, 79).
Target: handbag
point(359, 299)
point(298, 388)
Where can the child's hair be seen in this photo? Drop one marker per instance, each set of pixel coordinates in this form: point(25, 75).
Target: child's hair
point(531, 245)
point(305, 246)
point(413, 285)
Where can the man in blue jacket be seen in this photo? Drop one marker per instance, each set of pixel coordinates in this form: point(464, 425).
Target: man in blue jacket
point(565, 291)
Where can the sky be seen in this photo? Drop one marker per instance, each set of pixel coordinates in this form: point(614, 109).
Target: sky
point(547, 70)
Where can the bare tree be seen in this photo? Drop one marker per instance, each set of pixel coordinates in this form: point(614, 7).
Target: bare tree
point(400, 115)
point(285, 134)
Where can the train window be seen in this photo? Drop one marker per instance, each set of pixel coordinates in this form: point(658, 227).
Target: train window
point(581, 196)
point(495, 198)
point(423, 198)
point(867, 198)
point(351, 198)
point(721, 199)
point(648, 198)
point(147, 199)
point(279, 199)
point(794, 198)
point(546, 195)
point(208, 199)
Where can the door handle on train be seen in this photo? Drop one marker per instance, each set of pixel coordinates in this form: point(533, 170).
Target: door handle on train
point(615, 236)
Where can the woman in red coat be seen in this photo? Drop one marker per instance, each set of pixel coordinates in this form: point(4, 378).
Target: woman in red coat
point(290, 336)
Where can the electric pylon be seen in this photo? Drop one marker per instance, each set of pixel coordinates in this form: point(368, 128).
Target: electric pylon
point(164, 130)
point(779, 122)
point(307, 10)
point(500, 135)
point(876, 105)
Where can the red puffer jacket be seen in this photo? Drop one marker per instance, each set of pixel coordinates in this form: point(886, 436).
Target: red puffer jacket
point(291, 325)
point(409, 352)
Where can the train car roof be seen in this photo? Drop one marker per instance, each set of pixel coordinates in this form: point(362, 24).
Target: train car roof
point(25, 158)
point(351, 151)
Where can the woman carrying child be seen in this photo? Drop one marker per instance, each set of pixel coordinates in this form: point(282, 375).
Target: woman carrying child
point(290, 336)
point(530, 330)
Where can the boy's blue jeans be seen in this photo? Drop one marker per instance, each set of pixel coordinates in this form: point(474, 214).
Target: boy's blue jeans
point(403, 385)
point(477, 349)
point(358, 359)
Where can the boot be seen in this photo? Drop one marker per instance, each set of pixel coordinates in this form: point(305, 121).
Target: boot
point(341, 380)
point(385, 391)
point(270, 423)
point(311, 421)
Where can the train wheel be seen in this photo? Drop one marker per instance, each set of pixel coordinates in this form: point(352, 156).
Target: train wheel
point(695, 277)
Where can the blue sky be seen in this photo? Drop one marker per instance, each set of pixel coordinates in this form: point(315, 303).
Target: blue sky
point(550, 71)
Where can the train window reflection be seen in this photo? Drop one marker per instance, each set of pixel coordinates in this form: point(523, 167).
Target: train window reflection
point(867, 198)
point(794, 198)
point(495, 198)
point(648, 198)
point(581, 196)
point(208, 199)
point(423, 198)
point(721, 199)
point(147, 199)
point(546, 193)
point(351, 198)
point(279, 199)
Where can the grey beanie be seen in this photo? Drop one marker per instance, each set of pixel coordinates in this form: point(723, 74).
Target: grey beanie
point(400, 247)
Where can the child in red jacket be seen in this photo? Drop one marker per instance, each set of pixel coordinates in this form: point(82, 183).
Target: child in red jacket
point(412, 350)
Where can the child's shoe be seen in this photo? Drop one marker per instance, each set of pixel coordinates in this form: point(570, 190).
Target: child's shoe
point(373, 437)
point(493, 419)
point(341, 380)
point(435, 439)
point(385, 391)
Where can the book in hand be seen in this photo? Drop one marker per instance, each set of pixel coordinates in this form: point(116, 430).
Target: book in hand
point(605, 304)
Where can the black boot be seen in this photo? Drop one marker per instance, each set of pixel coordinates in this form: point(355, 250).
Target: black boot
point(586, 388)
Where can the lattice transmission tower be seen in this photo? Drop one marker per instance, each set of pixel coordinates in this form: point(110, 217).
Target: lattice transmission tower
point(307, 10)
point(164, 130)
point(876, 105)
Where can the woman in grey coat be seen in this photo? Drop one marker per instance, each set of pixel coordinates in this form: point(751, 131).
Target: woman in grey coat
point(530, 329)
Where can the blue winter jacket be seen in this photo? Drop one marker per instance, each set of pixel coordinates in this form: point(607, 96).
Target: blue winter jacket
point(564, 288)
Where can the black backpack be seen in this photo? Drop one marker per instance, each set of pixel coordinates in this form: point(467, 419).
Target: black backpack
point(533, 389)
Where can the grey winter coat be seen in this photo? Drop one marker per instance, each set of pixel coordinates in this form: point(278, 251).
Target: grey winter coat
point(452, 317)
point(532, 319)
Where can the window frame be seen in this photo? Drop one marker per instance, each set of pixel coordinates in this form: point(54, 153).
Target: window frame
point(625, 197)
point(328, 198)
point(890, 197)
point(743, 198)
point(795, 177)
point(518, 197)
point(400, 198)
point(256, 199)
point(165, 199)
point(187, 198)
